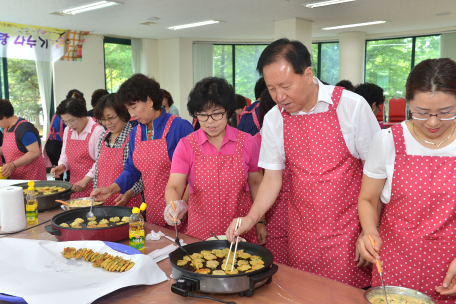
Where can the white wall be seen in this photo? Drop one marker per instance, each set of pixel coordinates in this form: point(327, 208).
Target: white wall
point(87, 75)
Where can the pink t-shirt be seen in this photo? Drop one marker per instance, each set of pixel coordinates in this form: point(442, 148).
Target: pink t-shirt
point(184, 159)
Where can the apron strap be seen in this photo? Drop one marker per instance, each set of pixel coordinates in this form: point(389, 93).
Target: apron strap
point(335, 97)
point(17, 124)
point(195, 120)
point(240, 143)
point(398, 137)
point(52, 129)
point(194, 143)
point(254, 116)
point(168, 125)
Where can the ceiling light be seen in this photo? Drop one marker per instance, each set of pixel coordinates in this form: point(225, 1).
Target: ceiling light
point(352, 25)
point(90, 7)
point(325, 3)
point(178, 27)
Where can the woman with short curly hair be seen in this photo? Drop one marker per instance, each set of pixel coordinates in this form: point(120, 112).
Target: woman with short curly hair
point(151, 145)
point(79, 146)
point(21, 146)
point(220, 164)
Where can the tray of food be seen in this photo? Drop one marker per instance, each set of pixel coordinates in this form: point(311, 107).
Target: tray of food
point(48, 192)
point(80, 203)
point(396, 295)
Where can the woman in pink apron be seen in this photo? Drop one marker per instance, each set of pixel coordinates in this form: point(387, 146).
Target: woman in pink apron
point(218, 162)
point(21, 146)
point(151, 145)
point(322, 133)
point(112, 151)
point(412, 169)
point(79, 146)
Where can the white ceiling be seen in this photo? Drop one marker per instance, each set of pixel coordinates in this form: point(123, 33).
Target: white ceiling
point(242, 19)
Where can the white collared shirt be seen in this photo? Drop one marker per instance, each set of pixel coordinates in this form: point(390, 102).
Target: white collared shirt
point(357, 122)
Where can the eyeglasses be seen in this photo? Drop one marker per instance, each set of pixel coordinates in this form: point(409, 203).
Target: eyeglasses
point(443, 116)
point(214, 116)
point(109, 119)
point(70, 122)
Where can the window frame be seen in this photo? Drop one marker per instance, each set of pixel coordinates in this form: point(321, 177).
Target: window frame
point(112, 40)
point(233, 57)
point(320, 43)
point(412, 59)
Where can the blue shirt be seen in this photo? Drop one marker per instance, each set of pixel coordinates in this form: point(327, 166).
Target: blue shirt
point(179, 128)
point(247, 124)
point(25, 134)
point(56, 126)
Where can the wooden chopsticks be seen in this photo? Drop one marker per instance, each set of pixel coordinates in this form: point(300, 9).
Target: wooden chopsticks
point(238, 224)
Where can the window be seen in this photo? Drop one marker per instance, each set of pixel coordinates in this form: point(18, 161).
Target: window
point(237, 64)
point(325, 61)
point(118, 62)
point(389, 61)
point(19, 84)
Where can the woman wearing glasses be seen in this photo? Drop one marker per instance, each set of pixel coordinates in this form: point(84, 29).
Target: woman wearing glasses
point(112, 151)
point(219, 163)
point(79, 146)
point(151, 145)
point(412, 169)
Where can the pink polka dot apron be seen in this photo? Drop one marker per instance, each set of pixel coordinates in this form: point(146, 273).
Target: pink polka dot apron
point(277, 218)
point(36, 170)
point(254, 116)
point(52, 137)
point(152, 160)
point(80, 161)
point(323, 221)
point(418, 225)
point(219, 192)
point(110, 166)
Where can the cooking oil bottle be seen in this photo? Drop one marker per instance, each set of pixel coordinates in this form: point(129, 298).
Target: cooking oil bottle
point(32, 205)
point(137, 228)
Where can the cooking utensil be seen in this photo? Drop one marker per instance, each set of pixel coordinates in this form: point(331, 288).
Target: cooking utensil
point(174, 218)
point(213, 234)
point(63, 203)
point(46, 202)
point(89, 214)
point(231, 245)
point(379, 269)
point(237, 241)
point(243, 283)
point(112, 233)
point(53, 173)
point(373, 292)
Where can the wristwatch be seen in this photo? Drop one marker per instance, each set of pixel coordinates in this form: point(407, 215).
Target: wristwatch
point(262, 222)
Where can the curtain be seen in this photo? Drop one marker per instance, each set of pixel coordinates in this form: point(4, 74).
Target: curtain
point(448, 46)
point(44, 73)
point(136, 45)
point(203, 61)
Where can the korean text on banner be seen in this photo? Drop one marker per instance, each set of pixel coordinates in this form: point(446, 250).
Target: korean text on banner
point(30, 42)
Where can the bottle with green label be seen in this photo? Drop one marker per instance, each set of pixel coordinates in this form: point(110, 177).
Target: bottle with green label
point(31, 208)
point(136, 234)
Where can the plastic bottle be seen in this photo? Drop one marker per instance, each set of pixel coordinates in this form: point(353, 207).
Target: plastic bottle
point(32, 205)
point(137, 234)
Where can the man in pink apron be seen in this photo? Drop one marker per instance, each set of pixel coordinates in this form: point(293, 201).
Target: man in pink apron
point(21, 146)
point(323, 133)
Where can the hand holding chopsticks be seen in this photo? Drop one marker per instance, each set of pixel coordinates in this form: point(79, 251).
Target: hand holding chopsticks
point(238, 224)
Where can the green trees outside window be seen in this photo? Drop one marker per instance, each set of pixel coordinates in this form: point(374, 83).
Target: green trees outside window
point(389, 61)
point(237, 64)
point(118, 62)
point(325, 61)
point(19, 84)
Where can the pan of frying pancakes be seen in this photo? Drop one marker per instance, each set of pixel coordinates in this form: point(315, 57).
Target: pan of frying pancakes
point(211, 267)
point(111, 224)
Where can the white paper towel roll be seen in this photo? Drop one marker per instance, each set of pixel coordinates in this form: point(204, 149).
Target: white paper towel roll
point(12, 209)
